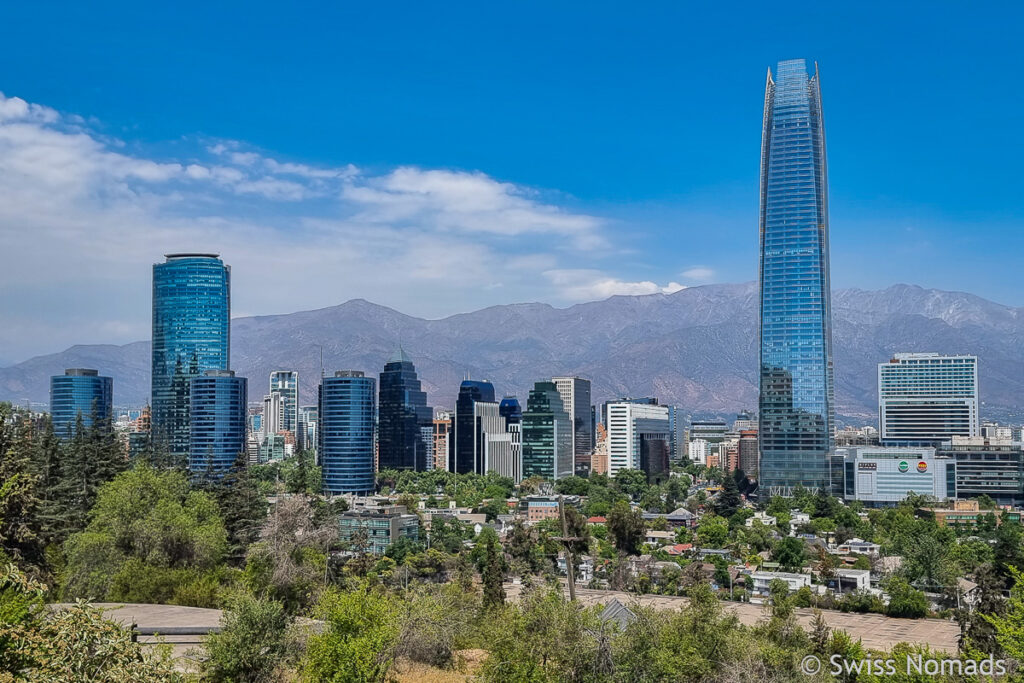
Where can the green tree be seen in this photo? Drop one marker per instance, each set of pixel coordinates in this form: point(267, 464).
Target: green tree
point(358, 643)
point(789, 552)
point(712, 532)
point(494, 590)
point(729, 500)
point(633, 483)
point(626, 528)
point(149, 515)
point(1009, 626)
point(904, 600)
point(242, 507)
point(253, 643)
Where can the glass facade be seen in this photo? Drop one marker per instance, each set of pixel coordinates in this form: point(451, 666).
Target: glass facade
point(796, 419)
point(403, 413)
point(547, 434)
point(925, 398)
point(286, 384)
point(191, 334)
point(466, 442)
point(217, 420)
point(575, 393)
point(347, 418)
point(80, 391)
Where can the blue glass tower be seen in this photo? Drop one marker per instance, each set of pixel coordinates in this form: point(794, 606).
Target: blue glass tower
point(217, 420)
point(402, 414)
point(510, 409)
point(80, 391)
point(465, 445)
point(347, 414)
point(796, 420)
point(191, 334)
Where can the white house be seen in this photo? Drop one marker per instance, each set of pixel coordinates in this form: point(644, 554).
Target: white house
point(762, 581)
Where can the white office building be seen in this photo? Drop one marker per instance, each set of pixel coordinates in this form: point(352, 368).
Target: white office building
point(628, 425)
point(880, 475)
point(925, 398)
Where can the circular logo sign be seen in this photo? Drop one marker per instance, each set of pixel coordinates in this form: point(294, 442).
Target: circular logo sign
point(922, 466)
point(904, 466)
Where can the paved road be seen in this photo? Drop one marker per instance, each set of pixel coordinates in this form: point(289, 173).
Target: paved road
point(875, 631)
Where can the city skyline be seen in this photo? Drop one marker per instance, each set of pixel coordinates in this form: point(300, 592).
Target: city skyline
point(85, 167)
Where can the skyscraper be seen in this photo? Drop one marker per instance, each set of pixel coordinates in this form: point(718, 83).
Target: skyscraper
point(80, 391)
point(286, 384)
point(575, 393)
point(925, 398)
point(476, 414)
point(547, 434)
point(191, 334)
point(217, 420)
point(630, 426)
point(796, 406)
point(402, 414)
point(347, 414)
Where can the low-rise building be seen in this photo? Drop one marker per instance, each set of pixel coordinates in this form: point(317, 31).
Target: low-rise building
point(539, 508)
point(968, 513)
point(879, 475)
point(857, 546)
point(659, 537)
point(761, 581)
point(378, 527)
point(762, 517)
point(850, 581)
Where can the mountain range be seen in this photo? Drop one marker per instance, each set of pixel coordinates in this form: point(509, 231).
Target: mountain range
point(696, 348)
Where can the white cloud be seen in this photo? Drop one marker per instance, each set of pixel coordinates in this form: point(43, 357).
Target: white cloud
point(699, 274)
point(587, 285)
point(83, 216)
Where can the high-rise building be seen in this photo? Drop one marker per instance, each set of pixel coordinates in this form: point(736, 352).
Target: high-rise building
point(402, 414)
point(476, 414)
point(80, 391)
point(925, 398)
point(217, 422)
point(547, 434)
point(347, 415)
point(630, 426)
point(994, 468)
point(796, 406)
point(510, 409)
point(272, 421)
point(442, 432)
point(748, 452)
point(575, 393)
point(307, 427)
point(285, 383)
point(191, 334)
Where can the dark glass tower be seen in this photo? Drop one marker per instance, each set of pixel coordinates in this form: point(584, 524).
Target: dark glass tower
point(796, 420)
point(402, 414)
point(347, 413)
point(80, 392)
point(510, 409)
point(465, 445)
point(217, 420)
point(547, 434)
point(191, 334)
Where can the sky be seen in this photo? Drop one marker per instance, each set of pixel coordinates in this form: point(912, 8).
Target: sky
point(442, 157)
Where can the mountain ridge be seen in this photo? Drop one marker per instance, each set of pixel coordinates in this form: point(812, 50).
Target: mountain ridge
point(695, 347)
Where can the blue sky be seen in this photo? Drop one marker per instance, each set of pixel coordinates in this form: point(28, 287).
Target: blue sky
point(439, 157)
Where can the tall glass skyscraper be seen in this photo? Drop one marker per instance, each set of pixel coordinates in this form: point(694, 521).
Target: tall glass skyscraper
point(402, 413)
point(217, 420)
point(547, 434)
point(80, 391)
point(286, 383)
point(191, 334)
point(476, 414)
point(796, 420)
point(347, 414)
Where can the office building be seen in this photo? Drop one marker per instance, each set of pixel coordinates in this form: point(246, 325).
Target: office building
point(307, 428)
point(402, 415)
point(510, 409)
point(987, 467)
point(191, 334)
point(575, 394)
point(796, 426)
point(442, 432)
point(925, 398)
point(547, 434)
point(272, 421)
point(630, 425)
point(285, 383)
point(347, 418)
point(476, 414)
point(217, 424)
point(80, 392)
point(879, 475)
point(748, 452)
point(380, 527)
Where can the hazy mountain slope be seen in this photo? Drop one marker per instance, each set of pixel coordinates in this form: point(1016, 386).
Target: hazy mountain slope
point(696, 347)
